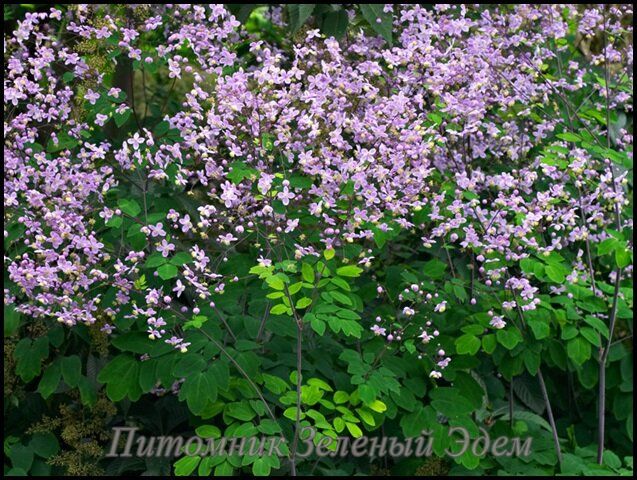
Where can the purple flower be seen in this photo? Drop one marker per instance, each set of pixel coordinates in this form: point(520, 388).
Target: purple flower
point(91, 96)
point(165, 248)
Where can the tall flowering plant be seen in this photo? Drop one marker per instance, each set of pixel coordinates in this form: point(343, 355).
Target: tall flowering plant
point(439, 199)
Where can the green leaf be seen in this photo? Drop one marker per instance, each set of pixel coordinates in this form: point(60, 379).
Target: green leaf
point(303, 303)
point(219, 374)
point(121, 378)
point(56, 336)
point(148, 375)
point(378, 19)
point(161, 128)
point(380, 237)
point(623, 257)
point(186, 465)
point(591, 335)
point(607, 246)
point(136, 342)
point(122, 118)
point(224, 469)
point(307, 273)
point(240, 411)
point(167, 271)
point(275, 282)
point(339, 424)
point(597, 324)
point(71, 370)
point(295, 288)
point(489, 342)
point(578, 350)
point(267, 142)
point(198, 391)
point(88, 393)
point(261, 466)
point(531, 361)
point(29, 355)
point(21, 456)
point(44, 444)
point(340, 283)
point(269, 427)
point(311, 394)
point(11, 320)
point(354, 429)
point(115, 222)
point(334, 23)
point(275, 384)
point(329, 253)
point(181, 258)
point(318, 325)
point(569, 137)
point(450, 402)
point(349, 271)
point(555, 273)
point(611, 460)
point(155, 260)
point(367, 393)
point(239, 171)
point(460, 292)
point(414, 423)
point(50, 380)
point(376, 406)
point(470, 389)
point(208, 431)
point(140, 283)
point(188, 364)
point(434, 269)
point(317, 382)
point(68, 77)
point(339, 297)
point(298, 13)
point(509, 337)
point(467, 344)
point(129, 207)
point(279, 309)
point(340, 397)
point(540, 328)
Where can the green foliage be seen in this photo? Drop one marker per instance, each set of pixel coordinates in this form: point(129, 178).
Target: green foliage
point(239, 375)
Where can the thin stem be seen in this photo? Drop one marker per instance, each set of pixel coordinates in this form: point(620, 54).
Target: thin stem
point(545, 394)
point(547, 402)
point(453, 272)
point(556, 440)
point(132, 97)
point(266, 314)
point(245, 375)
point(239, 368)
point(299, 380)
point(225, 323)
point(603, 357)
point(511, 403)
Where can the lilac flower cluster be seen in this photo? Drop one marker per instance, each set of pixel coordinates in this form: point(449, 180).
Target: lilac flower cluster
point(50, 198)
point(322, 141)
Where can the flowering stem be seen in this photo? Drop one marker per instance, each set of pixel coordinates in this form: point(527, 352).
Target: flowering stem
point(603, 356)
point(556, 439)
